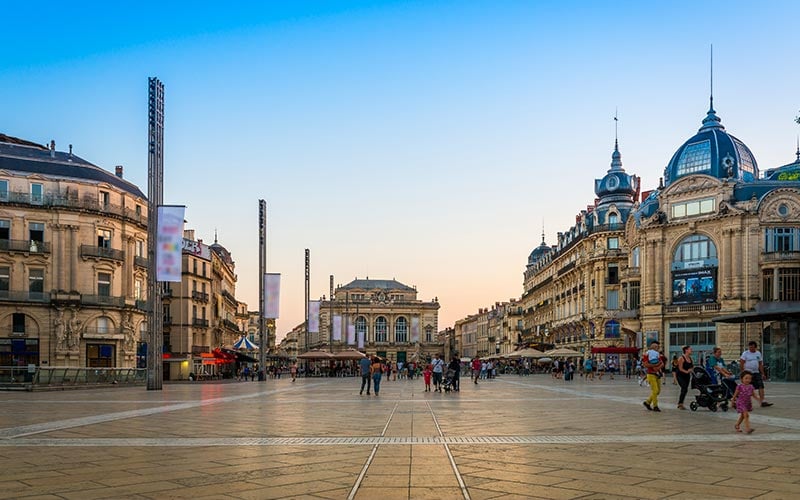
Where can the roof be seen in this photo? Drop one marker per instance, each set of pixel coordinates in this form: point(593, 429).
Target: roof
point(23, 156)
point(368, 284)
point(777, 311)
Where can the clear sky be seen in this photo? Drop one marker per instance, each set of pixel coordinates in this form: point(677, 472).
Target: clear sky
point(424, 141)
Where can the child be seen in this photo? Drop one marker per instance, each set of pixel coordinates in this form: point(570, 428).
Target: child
point(426, 374)
point(742, 398)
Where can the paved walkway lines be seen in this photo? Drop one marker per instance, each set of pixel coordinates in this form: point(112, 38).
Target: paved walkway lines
point(450, 456)
point(363, 473)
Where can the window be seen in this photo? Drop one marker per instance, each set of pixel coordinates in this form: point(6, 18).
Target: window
point(612, 299)
point(612, 330)
point(613, 243)
point(694, 334)
point(632, 293)
point(100, 355)
point(18, 323)
point(138, 288)
point(203, 312)
point(428, 334)
point(613, 274)
point(695, 158)
point(36, 231)
point(613, 219)
point(401, 330)
point(37, 193)
point(104, 199)
point(104, 284)
point(695, 247)
point(204, 268)
point(635, 257)
point(194, 266)
point(104, 325)
point(36, 281)
point(3, 190)
point(5, 279)
point(693, 208)
point(768, 278)
point(781, 239)
point(361, 327)
point(194, 285)
point(138, 210)
point(104, 238)
point(789, 284)
point(5, 229)
point(194, 312)
point(139, 248)
point(380, 329)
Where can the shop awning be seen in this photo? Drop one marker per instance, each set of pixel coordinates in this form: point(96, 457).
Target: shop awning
point(238, 356)
point(222, 356)
point(615, 350)
point(780, 311)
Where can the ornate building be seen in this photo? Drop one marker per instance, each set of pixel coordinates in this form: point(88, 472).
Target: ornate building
point(384, 317)
point(72, 260)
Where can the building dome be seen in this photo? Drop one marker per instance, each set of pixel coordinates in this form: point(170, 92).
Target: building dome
point(539, 252)
point(616, 186)
point(714, 152)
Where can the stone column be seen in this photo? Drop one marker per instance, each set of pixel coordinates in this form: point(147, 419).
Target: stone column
point(74, 249)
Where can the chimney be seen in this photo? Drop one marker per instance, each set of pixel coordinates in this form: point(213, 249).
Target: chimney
point(118, 169)
point(70, 150)
point(52, 149)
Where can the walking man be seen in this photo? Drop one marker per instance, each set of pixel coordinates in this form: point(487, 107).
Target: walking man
point(654, 364)
point(365, 364)
point(476, 368)
point(752, 361)
point(438, 368)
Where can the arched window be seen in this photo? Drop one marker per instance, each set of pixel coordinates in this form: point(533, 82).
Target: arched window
point(361, 327)
point(635, 257)
point(694, 248)
point(613, 219)
point(401, 330)
point(380, 329)
point(612, 330)
point(428, 334)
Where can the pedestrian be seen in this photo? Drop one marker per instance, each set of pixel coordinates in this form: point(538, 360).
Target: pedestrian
point(587, 368)
point(742, 398)
point(752, 361)
point(455, 365)
point(365, 364)
point(438, 368)
point(683, 373)
point(674, 369)
point(294, 371)
point(601, 369)
point(476, 368)
point(426, 375)
point(612, 367)
point(715, 367)
point(377, 371)
point(628, 367)
point(654, 365)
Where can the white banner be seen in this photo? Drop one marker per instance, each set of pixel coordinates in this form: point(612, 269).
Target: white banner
point(351, 334)
point(272, 295)
point(337, 327)
point(414, 329)
point(313, 316)
point(360, 340)
point(169, 240)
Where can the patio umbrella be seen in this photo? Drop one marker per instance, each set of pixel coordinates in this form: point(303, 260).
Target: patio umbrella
point(543, 361)
point(563, 352)
point(349, 354)
point(315, 354)
point(245, 343)
point(527, 353)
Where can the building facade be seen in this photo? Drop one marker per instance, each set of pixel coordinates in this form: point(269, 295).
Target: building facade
point(382, 317)
point(73, 240)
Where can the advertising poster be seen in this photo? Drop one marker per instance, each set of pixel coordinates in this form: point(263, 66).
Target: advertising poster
point(169, 241)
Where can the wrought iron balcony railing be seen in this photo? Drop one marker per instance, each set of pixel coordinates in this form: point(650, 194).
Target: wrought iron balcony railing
point(102, 252)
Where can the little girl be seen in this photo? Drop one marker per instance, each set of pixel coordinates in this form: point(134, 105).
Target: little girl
point(426, 374)
point(742, 398)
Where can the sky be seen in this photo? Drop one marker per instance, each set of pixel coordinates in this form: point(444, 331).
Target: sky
point(425, 141)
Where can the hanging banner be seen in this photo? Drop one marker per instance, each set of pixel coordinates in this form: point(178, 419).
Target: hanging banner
point(337, 327)
point(415, 329)
point(272, 295)
point(169, 240)
point(360, 340)
point(351, 334)
point(313, 316)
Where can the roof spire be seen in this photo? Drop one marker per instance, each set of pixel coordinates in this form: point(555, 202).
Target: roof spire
point(712, 121)
point(543, 243)
point(215, 236)
point(616, 157)
point(798, 148)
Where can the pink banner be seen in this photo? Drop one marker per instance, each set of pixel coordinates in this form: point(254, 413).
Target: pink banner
point(415, 329)
point(313, 316)
point(351, 334)
point(272, 295)
point(360, 340)
point(169, 240)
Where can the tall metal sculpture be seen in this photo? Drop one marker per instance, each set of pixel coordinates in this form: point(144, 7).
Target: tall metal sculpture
point(155, 197)
point(262, 269)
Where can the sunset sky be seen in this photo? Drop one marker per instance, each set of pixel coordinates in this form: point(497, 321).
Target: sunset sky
point(429, 142)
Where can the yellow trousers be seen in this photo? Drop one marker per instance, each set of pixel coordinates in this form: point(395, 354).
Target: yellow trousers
point(655, 389)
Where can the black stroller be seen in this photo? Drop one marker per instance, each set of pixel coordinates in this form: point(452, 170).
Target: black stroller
point(710, 395)
point(449, 378)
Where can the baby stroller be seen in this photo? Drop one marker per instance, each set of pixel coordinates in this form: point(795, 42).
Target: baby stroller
point(449, 378)
point(710, 395)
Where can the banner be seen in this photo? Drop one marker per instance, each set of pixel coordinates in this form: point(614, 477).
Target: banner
point(351, 334)
point(169, 240)
point(360, 340)
point(313, 316)
point(272, 295)
point(415, 329)
point(337, 327)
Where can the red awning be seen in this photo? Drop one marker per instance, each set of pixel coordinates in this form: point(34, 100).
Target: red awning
point(615, 350)
point(222, 356)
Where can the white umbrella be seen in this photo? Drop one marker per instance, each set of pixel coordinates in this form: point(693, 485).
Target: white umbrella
point(563, 352)
point(245, 343)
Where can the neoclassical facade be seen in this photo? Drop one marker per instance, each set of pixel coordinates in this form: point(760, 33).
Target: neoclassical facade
point(382, 317)
point(72, 260)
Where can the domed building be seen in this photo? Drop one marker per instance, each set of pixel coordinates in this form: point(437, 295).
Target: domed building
point(716, 239)
point(73, 260)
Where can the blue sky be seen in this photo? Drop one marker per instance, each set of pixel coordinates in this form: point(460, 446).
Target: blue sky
point(423, 141)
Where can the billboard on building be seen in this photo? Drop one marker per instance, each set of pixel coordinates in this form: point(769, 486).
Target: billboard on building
point(694, 286)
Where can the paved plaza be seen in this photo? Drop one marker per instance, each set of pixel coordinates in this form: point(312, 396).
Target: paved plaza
point(513, 437)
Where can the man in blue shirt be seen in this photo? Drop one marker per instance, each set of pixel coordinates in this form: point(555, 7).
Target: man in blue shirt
point(365, 377)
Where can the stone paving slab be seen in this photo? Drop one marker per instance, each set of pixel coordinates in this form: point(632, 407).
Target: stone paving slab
point(513, 437)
